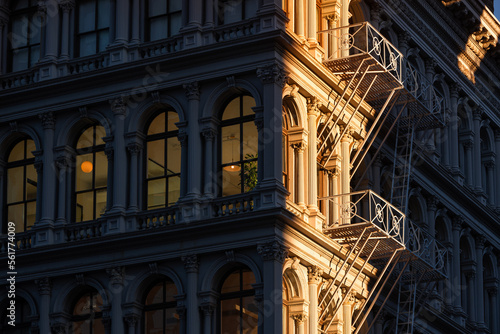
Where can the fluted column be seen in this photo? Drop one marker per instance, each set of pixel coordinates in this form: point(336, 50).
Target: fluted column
point(480, 240)
point(194, 140)
point(497, 174)
point(116, 276)
point(193, 317)
point(456, 273)
point(477, 150)
point(301, 18)
point(445, 142)
point(471, 291)
point(134, 150)
point(44, 290)
point(209, 136)
point(132, 320)
point(122, 21)
point(194, 13)
point(39, 176)
point(52, 29)
point(66, 6)
point(299, 320)
point(312, 179)
point(119, 108)
point(300, 173)
point(49, 173)
point(314, 279)
point(345, 175)
point(453, 129)
point(208, 311)
point(490, 177)
point(311, 21)
point(63, 163)
point(493, 305)
point(468, 160)
point(273, 256)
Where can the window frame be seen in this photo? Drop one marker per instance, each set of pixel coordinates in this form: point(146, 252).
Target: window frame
point(91, 316)
point(164, 305)
point(168, 15)
point(96, 31)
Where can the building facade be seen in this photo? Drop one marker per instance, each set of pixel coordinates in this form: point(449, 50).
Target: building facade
point(244, 166)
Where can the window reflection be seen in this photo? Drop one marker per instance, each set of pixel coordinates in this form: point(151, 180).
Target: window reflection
point(160, 309)
point(87, 314)
point(164, 18)
point(93, 26)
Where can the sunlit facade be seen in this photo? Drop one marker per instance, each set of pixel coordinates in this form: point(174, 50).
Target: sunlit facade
point(255, 167)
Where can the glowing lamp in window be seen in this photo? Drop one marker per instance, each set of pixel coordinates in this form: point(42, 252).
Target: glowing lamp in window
point(86, 167)
point(233, 167)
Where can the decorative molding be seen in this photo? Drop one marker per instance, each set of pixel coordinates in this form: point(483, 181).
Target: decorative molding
point(299, 318)
point(44, 286)
point(314, 274)
point(272, 251)
point(84, 113)
point(191, 263)
point(153, 268)
point(116, 275)
point(118, 106)
point(231, 81)
point(80, 279)
point(131, 319)
point(156, 96)
point(134, 148)
point(272, 74)
point(13, 126)
point(230, 256)
point(313, 105)
point(67, 5)
point(209, 134)
point(192, 90)
point(48, 120)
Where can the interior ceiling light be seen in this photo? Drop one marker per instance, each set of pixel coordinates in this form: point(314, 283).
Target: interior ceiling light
point(86, 167)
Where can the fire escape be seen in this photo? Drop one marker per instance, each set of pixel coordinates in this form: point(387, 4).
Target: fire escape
point(374, 230)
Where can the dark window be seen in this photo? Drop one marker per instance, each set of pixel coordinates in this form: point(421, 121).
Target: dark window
point(93, 22)
point(238, 147)
point(24, 35)
point(21, 185)
point(87, 314)
point(237, 310)
point(231, 11)
point(91, 175)
point(164, 18)
point(163, 161)
point(160, 309)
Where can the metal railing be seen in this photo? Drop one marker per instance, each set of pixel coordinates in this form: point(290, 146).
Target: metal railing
point(363, 39)
point(422, 89)
point(426, 247)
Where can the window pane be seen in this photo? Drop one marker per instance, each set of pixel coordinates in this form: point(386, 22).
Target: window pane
point(15, 180)
point(20, 32)
point(157, 125)
point(250, 8)
point(88, 44)
point(97, 302)
point(172, 320)
point(156, 158)
point(250, 140)
point(103, 40)
point(232, 11)
point(232, 283)
point(101, 169)
point(103, 14)
point(100, 206)
point(84, 206)
point(31, 182)
point(231, 182)
point(250, 316)
point(82, 306)
point(154, 322)
point(30, 147)
point(15, 213)
point(98, 327)
point(35, 29)
point(35, 55)
point(230, 137)
point(86, 17)
point(158, 28)
point(156, 194)
point(17, 153)
point(232, 110)
point(173, 118)
point(157, 7)
point(171, 291)
point(20, 4)
point(173, 156)
point(20, 60)
point(230, 316)
point(174, 189)
point(81, 327)
point(248, 104)
point(248, 279)
point(86, 138)
point(84, 167)
point(155, 295)
point(100, 132)
point(31, 214)
point(175, 5)
point(175, 23)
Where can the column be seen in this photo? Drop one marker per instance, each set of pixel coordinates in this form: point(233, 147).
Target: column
point(311, 21)
point(183, 140)
point(52, 30)
point(208, 311)
point(194, 13)
point(453, 129)
point(209, 136)
point(345, 177)
point(375, 10)
point(301, 18)
point(497, 170)
point(39, 176)
point(468, 157)
point(347, 312)
point(300, 173)
point(209, 13)
point(136, 21)
point(471, 291)
point(194, 140)
point(122, 19)
point(273, 256)
point(49, 174)
point(314, 277)
point(480, 240)
point(119, 108)
point(299, 320)
point(344, 22)
point(4, 20)
point(116, 275)
point(455, 274)
point(63, 163)
point(432, 202)
point(66, 6)
point(44, 290)
point(110, 152)
point(335, 209)
point(477, 112)
point(445, 142)
point(492, 292)
point(490, 177)
point(193, 317)
point(134, 150)
point(131, 320)
point(377, 165)
point(312, 179)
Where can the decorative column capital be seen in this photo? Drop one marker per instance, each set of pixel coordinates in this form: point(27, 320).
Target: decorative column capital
point(477, 113)
point(44, 286)
point(470, 274)
point(272, 251)
point(131, 319)
point(182, 136)
point(48, 120)
point(299, 318)
point(116, 275)
point(191, 263)
point(468, 144)
point(403, 40)
point(480, 241)
point(62, 162)
point(497, 135)
point(192, 90)
point(109, 150)
point(134, 148)
point(209, 134)
point(492, 291)
point(208, 309)
point(272, 74)
point(118, 106)
point(333, 18)
point(38, 162)
point(42, 8)
point(314, 274)
point(347, 137)
point(457, 223)
point(299, 147)
point(432, 202)
point(67, 5)
point(454, 89)
point(313, 105)
point(59, 328)
point(430, 65)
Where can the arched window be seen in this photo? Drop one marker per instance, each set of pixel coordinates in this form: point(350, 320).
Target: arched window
point(163, 161)
point(22, 322)
point(231, 11)
point(91, 175)
point(87, 313)
point(24, 35)
point(164, 19)
point(92, 28)
point(21, 185)
point(160, 309)
point(238, 147)
point(237, 310)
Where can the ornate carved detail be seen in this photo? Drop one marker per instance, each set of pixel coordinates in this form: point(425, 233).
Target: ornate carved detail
point(153, 268)
point(156, 97)
point(192, 90)
point(84, 113)
point(468, 144)
point(59, 328)
point(116, 275)
point(109, 151)
point(333, 18)
point(457, 223)
point(478, 113)
point(313, 104)
point(118, 106)
point(272, 74)
point(13, 126)
point(432, 202)
point(430, 65)
point(48, 120)
point(230, 256)
point(62, 162)
point(209, 134)
point(191, 263)
point(480, 241)
point(470, 274)
point(497, 134)
point(38, 164)
point(454, 89)
point(134, 148)
point(490, 164)
point(80, 279)
point(299, 318)
point(208, 309)
point(44, 286)
point(231, 82)
point(67, 5)
point(299, 147)
point(314, 274)
point(272, 251)
point(182, 136)
point(131, 319)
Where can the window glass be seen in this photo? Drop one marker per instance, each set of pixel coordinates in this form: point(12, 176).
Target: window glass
point(93, 26)
point(160, 313)
point(24, 35)
point(164, 19)
point(86, 18)
point(87, 314)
